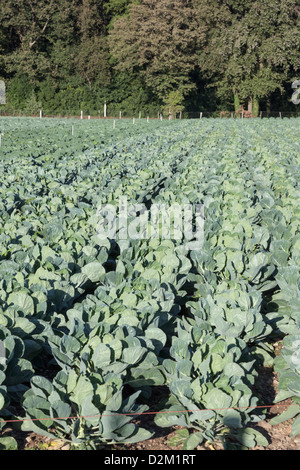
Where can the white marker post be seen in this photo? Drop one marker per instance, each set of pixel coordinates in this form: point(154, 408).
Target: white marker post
point(140, 114)
point(72, 129)
point(201, 114)
point(120, 115)
point(147, 118)
point(41, 114)
point(81, 115)
point(105, 109)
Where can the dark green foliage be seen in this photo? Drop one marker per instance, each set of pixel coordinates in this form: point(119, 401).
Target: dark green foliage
point(75, 55)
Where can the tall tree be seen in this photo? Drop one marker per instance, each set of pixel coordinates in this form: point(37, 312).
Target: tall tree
point(91, 59)
point(159, 39)
point(252, 47)
point(28, 23)
point(57, 39)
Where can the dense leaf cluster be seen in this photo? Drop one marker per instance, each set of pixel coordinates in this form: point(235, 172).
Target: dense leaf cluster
point(92, 326)
point(148, 55)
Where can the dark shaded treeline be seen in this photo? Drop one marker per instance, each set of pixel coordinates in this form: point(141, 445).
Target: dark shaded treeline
point(150, 55)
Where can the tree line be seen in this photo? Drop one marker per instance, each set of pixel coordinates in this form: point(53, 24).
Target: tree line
point(166, 55)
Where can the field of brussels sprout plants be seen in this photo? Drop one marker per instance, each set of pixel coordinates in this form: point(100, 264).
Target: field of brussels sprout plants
point(93, 327)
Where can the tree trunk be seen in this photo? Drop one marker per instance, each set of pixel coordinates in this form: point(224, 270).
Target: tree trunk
point(250, 105)
point(237, 103)
point(255, 107)
point(269, 106)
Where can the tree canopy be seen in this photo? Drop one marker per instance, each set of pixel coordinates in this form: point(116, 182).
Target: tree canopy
point(150, 54)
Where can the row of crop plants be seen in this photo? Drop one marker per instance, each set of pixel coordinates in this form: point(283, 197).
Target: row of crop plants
point(91, 326)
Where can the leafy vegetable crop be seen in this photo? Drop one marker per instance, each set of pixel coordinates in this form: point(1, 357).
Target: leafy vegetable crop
point(90, 325)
